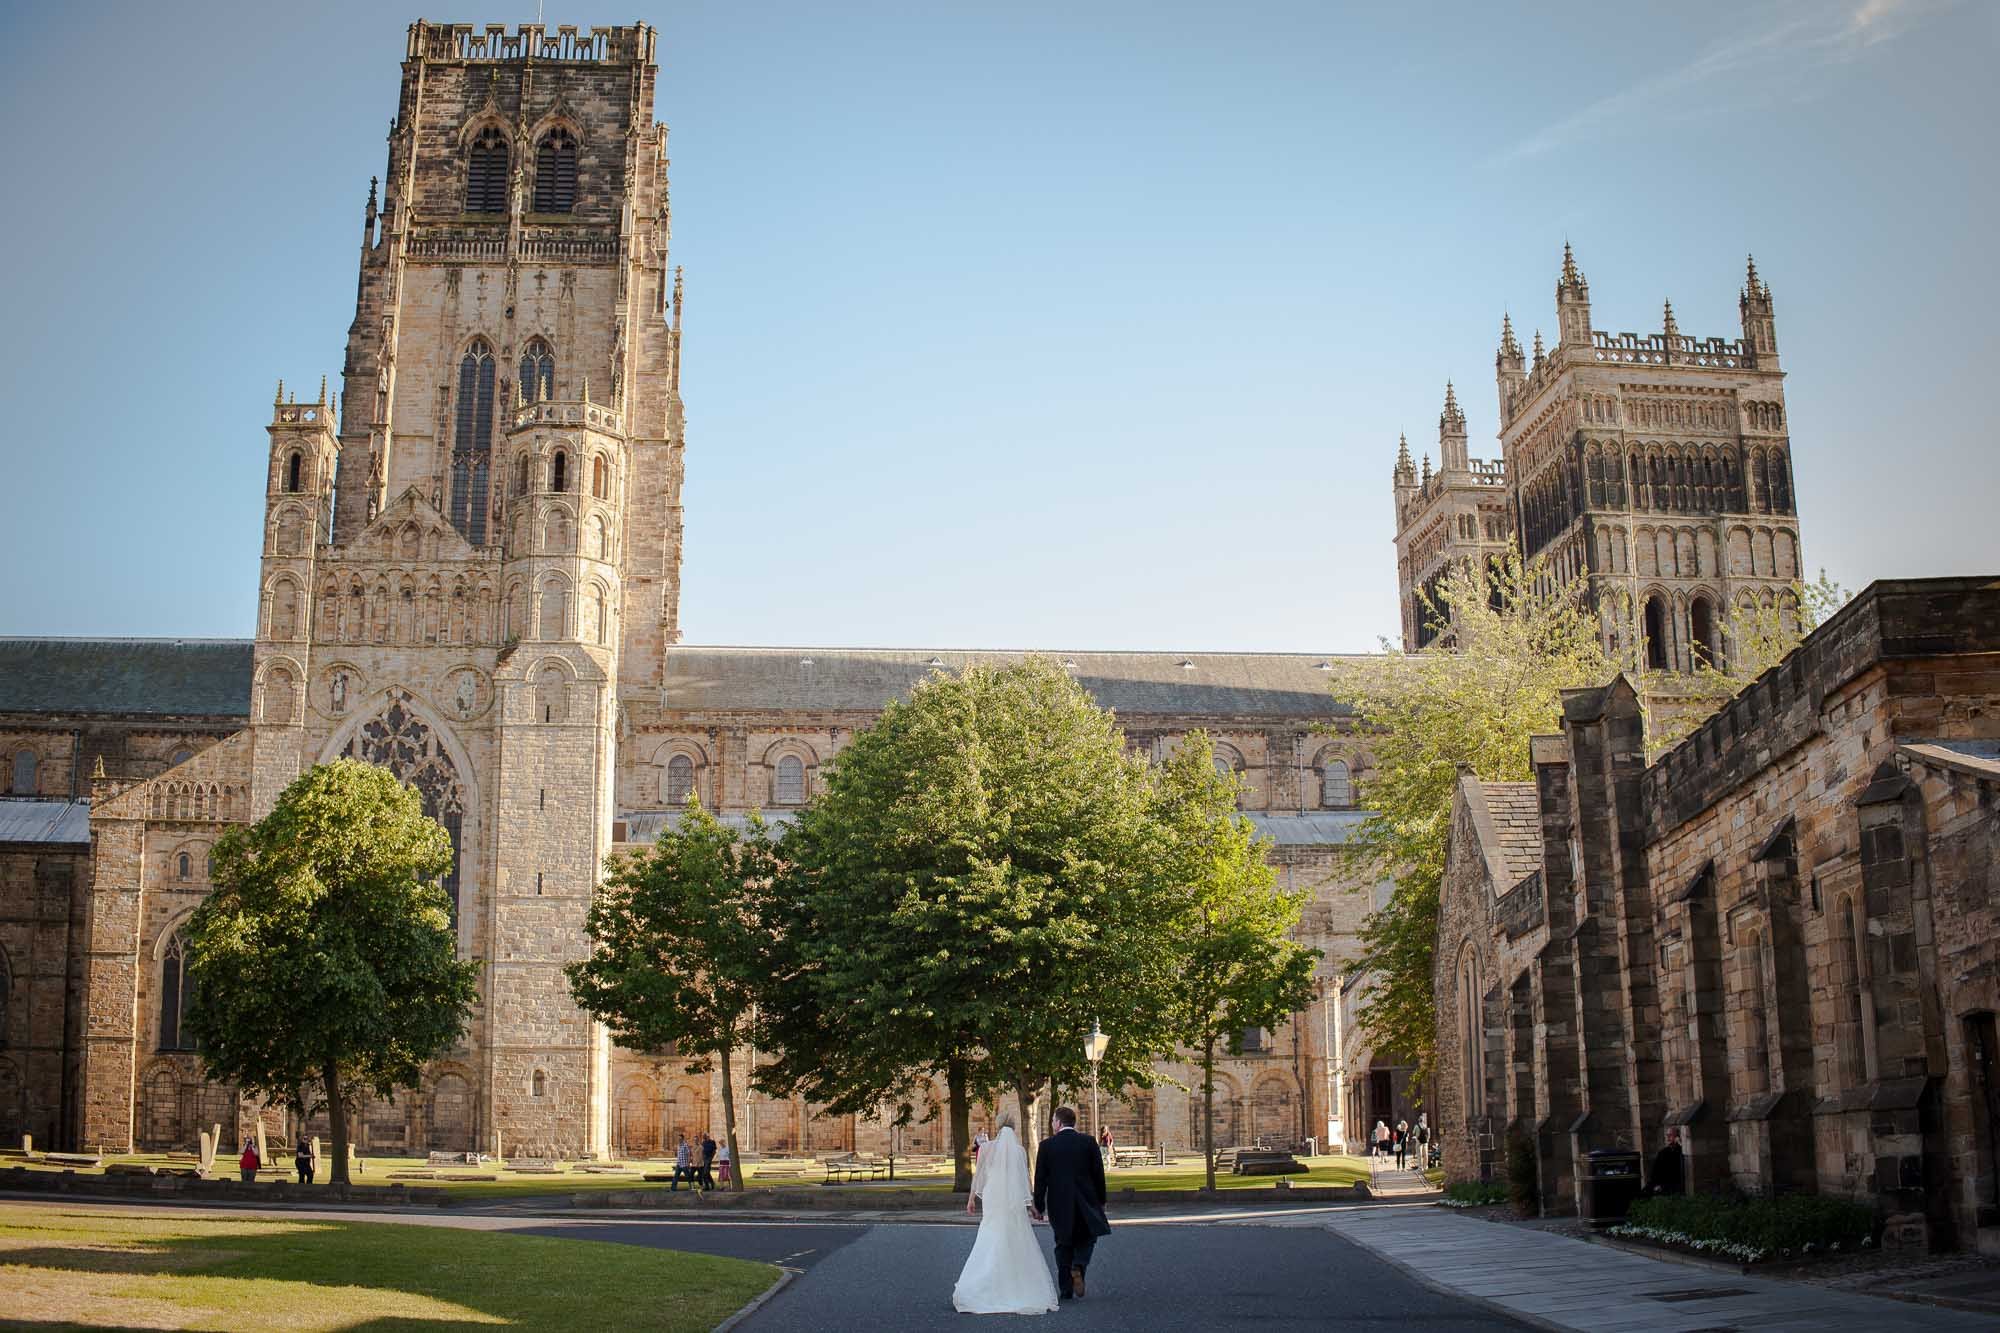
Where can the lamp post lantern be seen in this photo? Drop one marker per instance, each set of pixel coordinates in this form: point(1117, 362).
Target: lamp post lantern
point(1093, 1051)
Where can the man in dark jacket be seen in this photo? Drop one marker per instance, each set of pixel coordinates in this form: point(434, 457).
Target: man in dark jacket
point(1069, 1192)
point(1669, 1167)
point(707, 1181)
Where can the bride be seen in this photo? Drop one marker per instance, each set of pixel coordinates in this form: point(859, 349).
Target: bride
point(1005, 1273)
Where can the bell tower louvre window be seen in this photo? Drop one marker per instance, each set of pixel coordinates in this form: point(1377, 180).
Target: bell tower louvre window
point(486, 173)
point(555, 172)
point(472, 443)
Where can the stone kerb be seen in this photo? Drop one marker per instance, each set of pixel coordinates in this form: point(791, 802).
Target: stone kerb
point(149, 1184)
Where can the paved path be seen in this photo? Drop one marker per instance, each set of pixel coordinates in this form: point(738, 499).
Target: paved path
point(1563, 1283)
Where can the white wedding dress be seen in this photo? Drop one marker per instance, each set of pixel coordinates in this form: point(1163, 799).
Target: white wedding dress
point(1006, 1272)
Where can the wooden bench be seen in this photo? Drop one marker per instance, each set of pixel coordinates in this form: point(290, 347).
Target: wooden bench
point(852, 1167)
point(1257, 1162)
point(1137, 1155)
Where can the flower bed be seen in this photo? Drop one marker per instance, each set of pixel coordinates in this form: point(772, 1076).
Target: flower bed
point(1752, 1231)
point(1474, 1194)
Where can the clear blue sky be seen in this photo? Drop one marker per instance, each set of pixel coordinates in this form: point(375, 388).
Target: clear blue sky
point(1067, 325)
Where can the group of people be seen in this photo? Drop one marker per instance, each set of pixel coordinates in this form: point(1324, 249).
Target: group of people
point(1005, 1273)
point(714, 1160)
point(1404, 1141)
point(250, 1163)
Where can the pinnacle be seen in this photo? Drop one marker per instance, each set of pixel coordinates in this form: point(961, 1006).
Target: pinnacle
point(1671, 327)
point(1571, 275)
point(1452, 414)
point(1538, 346)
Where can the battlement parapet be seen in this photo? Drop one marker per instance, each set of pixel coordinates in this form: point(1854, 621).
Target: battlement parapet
point(572, 412)
point(466, 42)
point(1662, 349)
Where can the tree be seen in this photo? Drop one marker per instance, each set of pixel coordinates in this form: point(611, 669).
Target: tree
point(326, 953)
point(1236, 965)
point(971, 888)
point(679, 947)
point(1755, 637)
point(1521, 636)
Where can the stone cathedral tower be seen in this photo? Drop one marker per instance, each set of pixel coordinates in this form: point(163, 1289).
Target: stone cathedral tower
point(503, 494)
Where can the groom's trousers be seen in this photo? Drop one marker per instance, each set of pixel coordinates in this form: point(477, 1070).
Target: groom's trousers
point(1074, 1253)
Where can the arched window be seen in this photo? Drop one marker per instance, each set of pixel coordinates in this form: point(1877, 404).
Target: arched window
point(538, 1086)
point(183, 866)
point(180, 756)
point(486, 173)
point(174, 990)
point(599, 487)
point(555, 172)
point(293, 466)
point(680, 779)
point(1701, 632)
point(24, 773)
point(538, 372)
point(1336, 786)
point(559, 471)
point(790, 787)
point(1656, 634)
point(472, 442)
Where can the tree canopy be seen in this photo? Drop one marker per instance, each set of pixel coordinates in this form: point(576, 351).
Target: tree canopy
point(680, 947)
point(973, 886)
point(324, 968)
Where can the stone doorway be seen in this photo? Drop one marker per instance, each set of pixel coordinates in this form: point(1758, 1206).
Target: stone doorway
point(1982, 1042)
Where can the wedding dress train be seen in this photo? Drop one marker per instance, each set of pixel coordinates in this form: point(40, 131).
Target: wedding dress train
point(1006, 1272)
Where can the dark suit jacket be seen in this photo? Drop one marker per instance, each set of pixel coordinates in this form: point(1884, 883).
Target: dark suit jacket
point(1069, 1185)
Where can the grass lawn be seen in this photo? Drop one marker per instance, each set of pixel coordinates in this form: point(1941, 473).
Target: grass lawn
point(1185, 1173)
point(88, 1267)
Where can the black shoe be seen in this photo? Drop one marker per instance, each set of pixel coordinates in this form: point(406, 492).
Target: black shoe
point(1065, 1295)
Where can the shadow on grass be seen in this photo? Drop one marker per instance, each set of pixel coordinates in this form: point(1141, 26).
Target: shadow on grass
point(350, 1275)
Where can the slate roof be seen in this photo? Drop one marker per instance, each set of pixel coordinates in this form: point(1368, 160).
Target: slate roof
point(25, 819)
point(160, 677)
point(1515, 817)
point(1321, 828)
point(1977, 758)
point(1290, 685)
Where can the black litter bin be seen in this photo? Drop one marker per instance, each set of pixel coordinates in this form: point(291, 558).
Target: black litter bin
point(1610, 1183)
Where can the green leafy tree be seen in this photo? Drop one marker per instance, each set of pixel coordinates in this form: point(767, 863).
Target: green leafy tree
point(326, 954)
point(1519, 637)
point(1236, 965)
point(679, 947)
point(971, 888)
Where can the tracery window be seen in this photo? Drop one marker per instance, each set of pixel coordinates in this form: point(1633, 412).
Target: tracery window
point(472, 442)
point(486, 173)
point(174, 990)
point(403, 743)
point(680, 779)
point(538, 371)
point(790, 786)
point(555, 172)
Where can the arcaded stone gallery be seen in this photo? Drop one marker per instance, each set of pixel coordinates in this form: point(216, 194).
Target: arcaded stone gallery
point(1781, 938)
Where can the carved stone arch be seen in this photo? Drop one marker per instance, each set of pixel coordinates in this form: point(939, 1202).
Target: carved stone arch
point(682, 764)
point(553, 611)
point(594, 613)
point(286, 532)
point(558, 116)
point(1274, 1104)
point(284, 606)
point(487, 116)
point(559, 529)
point(280, 681)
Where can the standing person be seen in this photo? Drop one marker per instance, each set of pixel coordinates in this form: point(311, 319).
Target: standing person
point(302, 1159)
point(722, 1165)
point(248, 1162)
point(1669, 1167)
point(1424, 1140)
point(683, 1165)
point(707, 1160)
point(978, 1146)
point(1069, 1191)
point(1004, 1274)
point(1402, 1143)
point(1381, 1137)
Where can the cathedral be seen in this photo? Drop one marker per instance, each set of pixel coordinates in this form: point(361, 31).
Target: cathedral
point(471, 571)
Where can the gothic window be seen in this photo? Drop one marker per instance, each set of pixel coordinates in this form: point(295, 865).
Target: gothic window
point(559, 471)
point(680, 779)
point(538, 372)
point(183, 866)
point(24, 773)
point(1701, 632)
point(522, 466)
point(790, 787)
point(1336, 786)
point(1656, 634)
point(180, 756)
point(486, 173)
point(292, 468)
point(555, 172)
point(174, 990)
point(403, 743)
point(472, 442)
point(599, 488)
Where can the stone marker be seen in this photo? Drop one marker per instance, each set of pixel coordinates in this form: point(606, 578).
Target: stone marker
point(207, 1153)
point(263, 1152)
point(27, 1145)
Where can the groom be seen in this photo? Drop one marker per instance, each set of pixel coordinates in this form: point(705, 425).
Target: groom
point(1069, 1192)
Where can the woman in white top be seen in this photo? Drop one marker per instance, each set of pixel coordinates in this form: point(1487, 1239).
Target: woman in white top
point(1006, 1272)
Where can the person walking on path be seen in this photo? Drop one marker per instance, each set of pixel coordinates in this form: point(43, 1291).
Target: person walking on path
point(1069, 1192)
point(1423, 1141)
point(302, 1159)
point(683, 1165)
point(1381, 1144)
point(722, 1165)
point(1402, 1143)
point(248, 1162)
point(707, 1160)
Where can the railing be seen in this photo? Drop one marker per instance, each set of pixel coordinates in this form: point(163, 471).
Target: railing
point(531, 41)
point(560, 412)
point(566, 244)
point(445, 245)
point(1660, 349)
point(557, 244)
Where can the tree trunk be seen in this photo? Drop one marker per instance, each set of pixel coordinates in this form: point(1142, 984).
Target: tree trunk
point(729, 1124)
point(1208, 1112)
point(336, 1116)
point(1026, 1101)
point(961, 1127)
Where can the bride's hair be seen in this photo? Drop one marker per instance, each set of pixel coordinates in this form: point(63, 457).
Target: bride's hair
point(1006, 1120)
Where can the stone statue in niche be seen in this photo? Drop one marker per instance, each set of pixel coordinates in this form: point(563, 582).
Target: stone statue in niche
point(467, 696)
point(337, 692)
